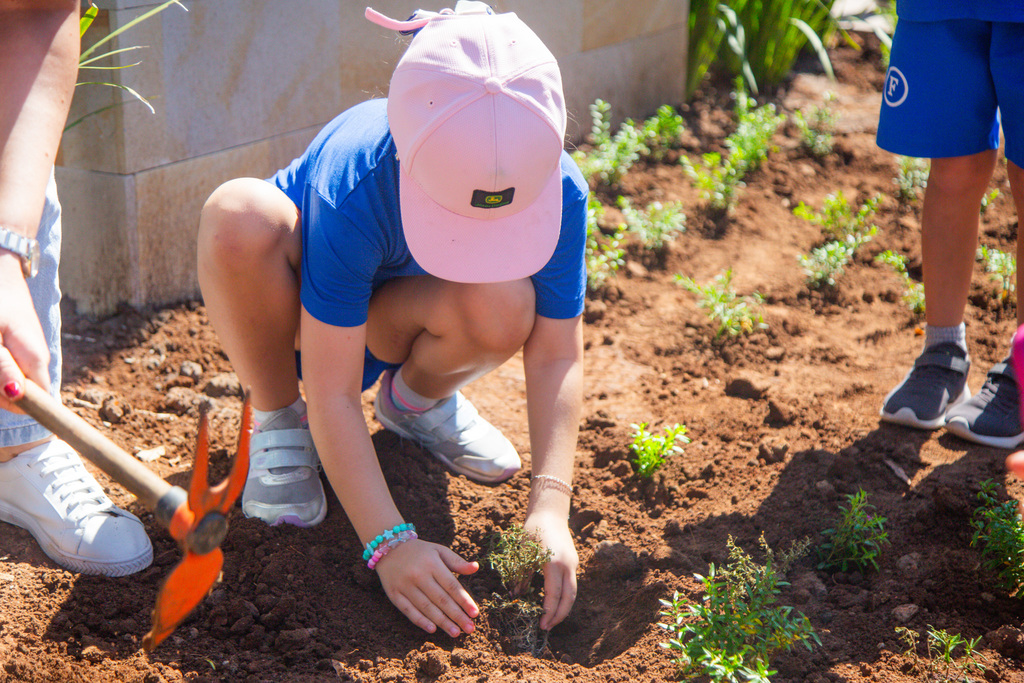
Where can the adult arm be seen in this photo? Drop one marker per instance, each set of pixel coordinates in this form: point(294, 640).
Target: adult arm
point(39, 48)
point(417, 576)
point(553, 361)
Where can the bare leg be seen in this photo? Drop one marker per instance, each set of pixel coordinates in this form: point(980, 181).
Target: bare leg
point(249, 254)
point(949, 233)
point(448, 334)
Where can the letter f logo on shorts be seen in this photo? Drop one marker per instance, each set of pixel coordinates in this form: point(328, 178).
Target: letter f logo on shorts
point(895, 87)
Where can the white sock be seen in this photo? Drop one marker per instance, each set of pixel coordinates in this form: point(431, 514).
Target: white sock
point(956, 334)
point(259, 417)
point(407, 400)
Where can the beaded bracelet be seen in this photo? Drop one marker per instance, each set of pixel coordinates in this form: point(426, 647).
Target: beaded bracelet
point(386, 548)
point(560, 484)
point(372, 546)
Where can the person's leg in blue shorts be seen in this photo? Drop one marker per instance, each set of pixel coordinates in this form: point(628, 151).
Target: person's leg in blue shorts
point(947, 86)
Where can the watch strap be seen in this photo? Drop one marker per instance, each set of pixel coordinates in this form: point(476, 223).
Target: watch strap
point(26, 248)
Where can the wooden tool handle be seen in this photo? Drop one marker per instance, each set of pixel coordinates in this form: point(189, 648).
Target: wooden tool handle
point(94, 446)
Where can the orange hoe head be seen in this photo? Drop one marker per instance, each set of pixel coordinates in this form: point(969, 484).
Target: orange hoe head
point(199, 524)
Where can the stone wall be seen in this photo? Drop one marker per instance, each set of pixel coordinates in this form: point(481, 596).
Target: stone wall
point(241, 86)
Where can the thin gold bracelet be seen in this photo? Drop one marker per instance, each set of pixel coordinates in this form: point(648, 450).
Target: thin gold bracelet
point(560, 484)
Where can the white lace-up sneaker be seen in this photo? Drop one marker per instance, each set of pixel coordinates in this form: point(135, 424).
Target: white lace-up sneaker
point(454, 433)
point(48, 492)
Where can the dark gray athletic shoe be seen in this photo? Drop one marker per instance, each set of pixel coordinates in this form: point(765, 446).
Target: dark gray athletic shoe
point(992, 417)
point(936, 383)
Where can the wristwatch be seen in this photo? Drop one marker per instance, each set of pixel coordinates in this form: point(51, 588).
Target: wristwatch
point(26, 248)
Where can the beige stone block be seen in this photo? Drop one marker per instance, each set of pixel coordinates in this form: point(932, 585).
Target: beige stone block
point(610, 22)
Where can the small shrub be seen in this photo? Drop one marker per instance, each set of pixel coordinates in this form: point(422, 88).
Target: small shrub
point(657, 224)
point(826, 263)
point(913, 174)
point(517, 556)
point(913, 291)
point(733, 315)
point(817, 127)
point(999, 533)
point(611, 156)
point(651, 451)
point(987, 200)
point(942, 661)
point(837, 218)
point(663, 131)
point(603, 254)
point(1003, 267)
point(857, 540)
point(732, 633)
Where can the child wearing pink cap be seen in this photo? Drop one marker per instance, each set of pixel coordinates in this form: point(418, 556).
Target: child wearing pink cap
point(422, 240)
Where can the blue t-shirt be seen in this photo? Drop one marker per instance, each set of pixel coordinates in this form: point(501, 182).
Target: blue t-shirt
point(941, 10)
point(346, 186)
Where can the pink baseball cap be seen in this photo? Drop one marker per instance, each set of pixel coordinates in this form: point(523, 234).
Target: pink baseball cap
point(478, 117)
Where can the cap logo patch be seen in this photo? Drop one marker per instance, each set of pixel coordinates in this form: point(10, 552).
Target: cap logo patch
point(482, 199)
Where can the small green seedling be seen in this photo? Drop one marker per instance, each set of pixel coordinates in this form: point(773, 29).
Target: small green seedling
point(1003, 267)
point(603, 254)
point(913, 291)
point(942, 661)
point(611, 156)
point(912, 175)
point(837, 218)
point(999, 533)
point(823, 266)
point(518, 555)
point(988, 199)
point(735, 629)
point(651, 451)
point(663, 131)
point(733, 314)
point(656, 225)
point(857, 540)
point(817, 127)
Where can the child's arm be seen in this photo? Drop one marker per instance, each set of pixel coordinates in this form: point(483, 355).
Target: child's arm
point(553, 360)
point(417, 576)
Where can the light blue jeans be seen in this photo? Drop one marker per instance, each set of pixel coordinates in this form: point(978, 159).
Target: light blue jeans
point(45, 289)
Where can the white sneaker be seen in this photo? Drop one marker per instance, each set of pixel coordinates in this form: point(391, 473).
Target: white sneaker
point(454, 433)
point(283, 486)
point(48, 492)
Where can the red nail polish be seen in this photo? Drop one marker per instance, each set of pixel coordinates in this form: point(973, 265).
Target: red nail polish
point(12, 390)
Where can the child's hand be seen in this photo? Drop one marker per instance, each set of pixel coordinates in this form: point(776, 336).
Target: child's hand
point(417, 577)
point(560, 571)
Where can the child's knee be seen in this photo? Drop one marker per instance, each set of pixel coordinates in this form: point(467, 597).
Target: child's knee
point(500, 316)
point(240, 219)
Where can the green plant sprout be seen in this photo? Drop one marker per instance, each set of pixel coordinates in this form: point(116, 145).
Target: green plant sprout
point(87, 60)
point(732, 633)
point(733, 314)
point(837, 217)
point(650, 451)
point(662, 131)
point(857, 540)
point(999, 533)
point(988, 199)
point(912, 174)
point(603, 254)
point(817, 127)
point(942, 661)
point(1003, 267)
point(611, 156)
point(719, 177)
point(913, 291)
point(656, 225)
point(518, 555)
point(826, 263)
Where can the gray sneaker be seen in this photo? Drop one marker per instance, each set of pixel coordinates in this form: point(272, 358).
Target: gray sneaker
point(936, 383)
point(284, 484)
point(454, 433)
point(992, 417)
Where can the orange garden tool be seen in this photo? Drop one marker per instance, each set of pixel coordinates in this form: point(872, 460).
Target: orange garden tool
point(197, 519)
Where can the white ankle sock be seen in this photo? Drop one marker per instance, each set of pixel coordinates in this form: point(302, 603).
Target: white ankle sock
point(956, 334)
point(407, 400)
point(261, 416)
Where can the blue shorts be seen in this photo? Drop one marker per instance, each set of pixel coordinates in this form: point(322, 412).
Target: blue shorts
point(948, 85)
point(372, 367)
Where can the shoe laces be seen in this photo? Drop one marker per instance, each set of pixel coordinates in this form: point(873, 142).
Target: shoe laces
point(72, 485)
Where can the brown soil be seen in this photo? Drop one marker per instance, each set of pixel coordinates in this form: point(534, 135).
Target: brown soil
point(784, 425)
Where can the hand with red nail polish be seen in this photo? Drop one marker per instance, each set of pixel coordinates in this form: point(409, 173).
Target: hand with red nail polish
point(23, 350)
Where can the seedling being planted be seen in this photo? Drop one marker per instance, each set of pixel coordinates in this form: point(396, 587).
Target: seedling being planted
point(732, 633)
point(518, 556)
point(857, 540)
point(734, 315)
point(650, 451)
point(999, 534)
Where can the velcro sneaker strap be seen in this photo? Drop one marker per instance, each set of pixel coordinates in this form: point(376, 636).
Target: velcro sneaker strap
point(1004, 369)
point(943, 360)
point(283, 448)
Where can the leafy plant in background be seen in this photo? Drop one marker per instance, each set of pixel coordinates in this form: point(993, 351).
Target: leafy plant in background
point(733, 314)
point(518, 555)
point(823, 266)
point(603, 254)
point(913, 291)
point(857, 540)
point(817, 127)
point(912, 174)
point(735, 629)
point(988, 199)
point(705, 36)
point(1003, 267)
point(88, 59)
point(999, 533)
point(611, 156)
point(837, 217)
point(650, 450)
point(942, 661)
point(662, 131)
point(655, 225)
